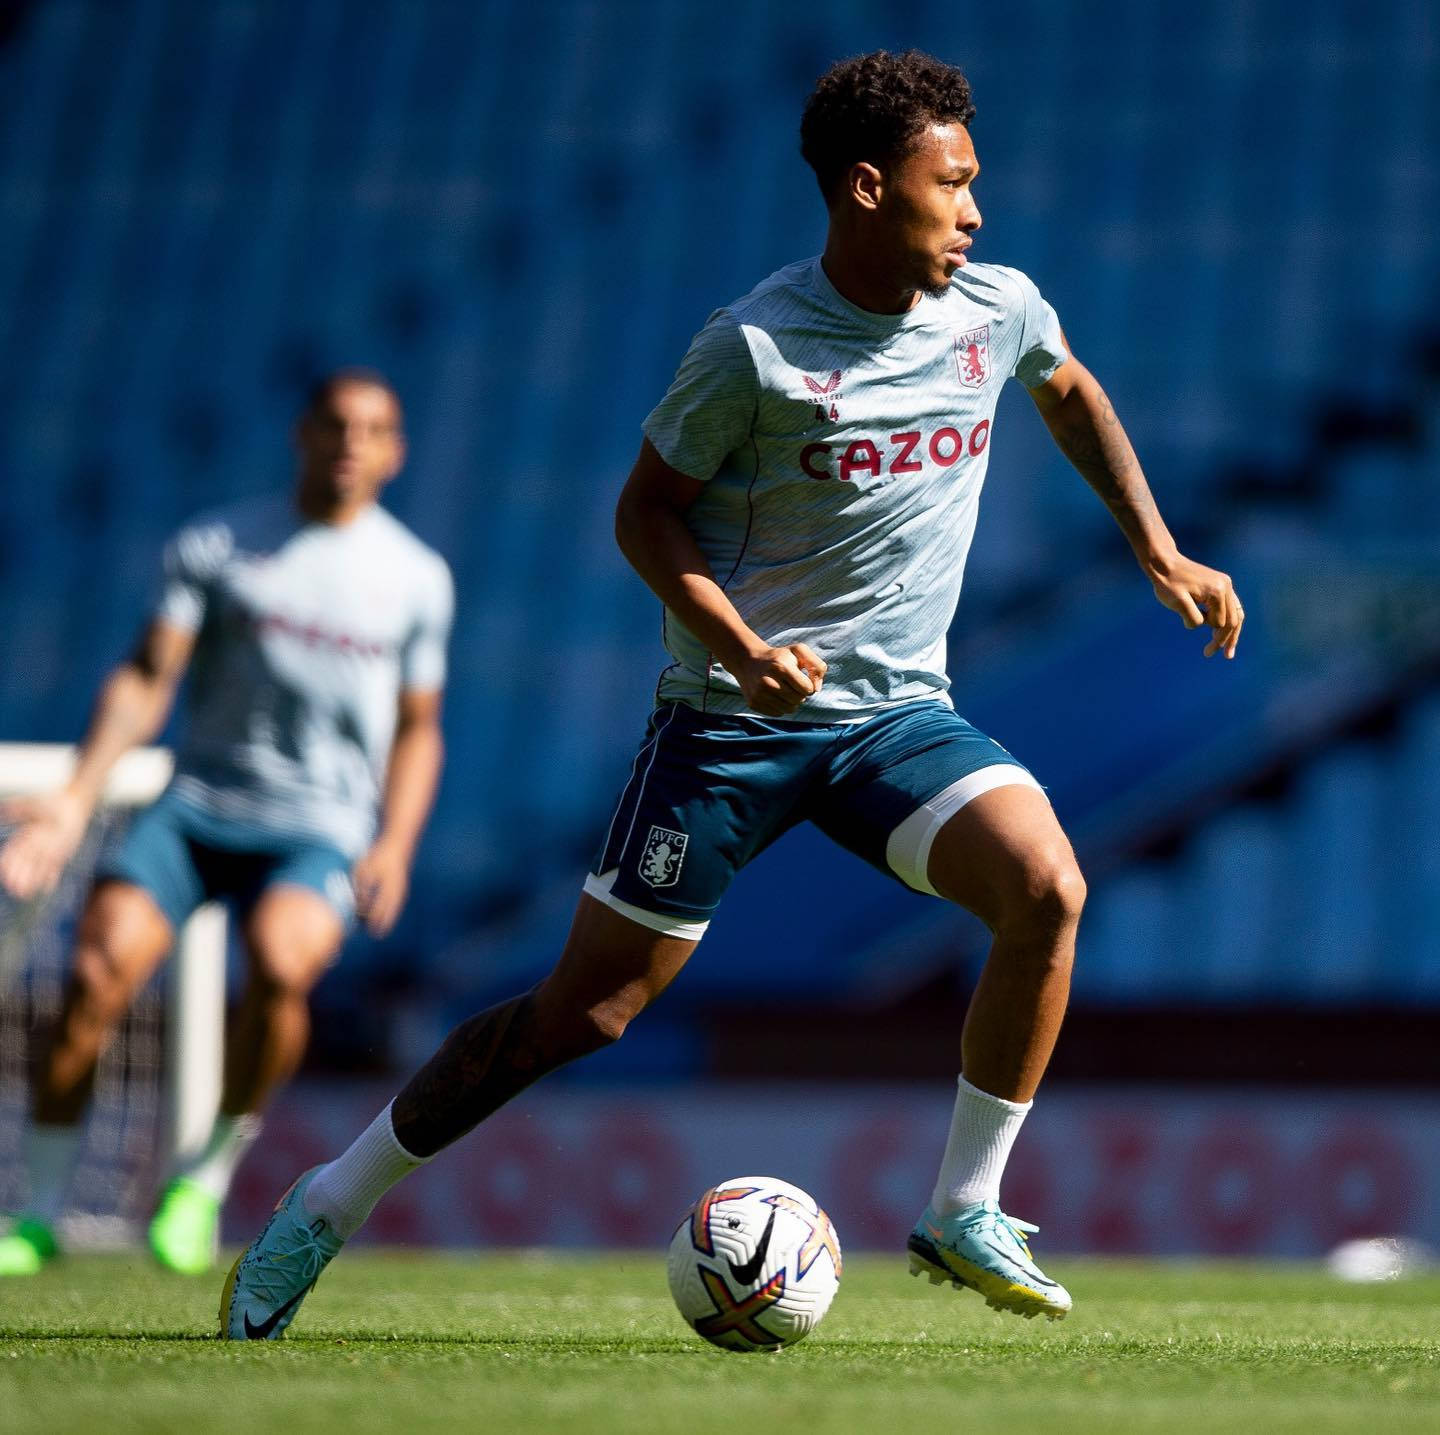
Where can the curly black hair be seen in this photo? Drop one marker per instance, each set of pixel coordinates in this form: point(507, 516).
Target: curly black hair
point(872, 107)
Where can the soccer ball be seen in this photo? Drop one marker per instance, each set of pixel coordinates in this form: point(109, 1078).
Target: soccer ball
point(754, 1264)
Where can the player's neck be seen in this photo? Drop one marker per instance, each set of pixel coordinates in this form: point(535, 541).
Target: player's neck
point(334, 513)
point(857, 279)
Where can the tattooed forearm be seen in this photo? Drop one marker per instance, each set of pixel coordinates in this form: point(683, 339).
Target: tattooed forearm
point(482, 1064)
point(1089, 434)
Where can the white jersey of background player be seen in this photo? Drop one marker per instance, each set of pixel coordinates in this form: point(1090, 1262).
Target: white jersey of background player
point(305, 635)
point(314, 629)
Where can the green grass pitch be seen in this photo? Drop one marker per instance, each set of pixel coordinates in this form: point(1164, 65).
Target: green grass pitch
point(413, 1343)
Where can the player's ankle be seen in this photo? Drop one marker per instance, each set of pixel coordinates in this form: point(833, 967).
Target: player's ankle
point(344, 1191)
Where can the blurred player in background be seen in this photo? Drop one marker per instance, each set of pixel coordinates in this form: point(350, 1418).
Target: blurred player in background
point(314, 627)
point(803, 505)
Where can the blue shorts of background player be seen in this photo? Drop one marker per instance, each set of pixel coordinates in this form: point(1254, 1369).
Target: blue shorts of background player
point(184, 856)
point(708, 792)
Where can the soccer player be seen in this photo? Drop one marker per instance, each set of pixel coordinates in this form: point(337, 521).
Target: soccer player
point(314, 625)
point(802, 505)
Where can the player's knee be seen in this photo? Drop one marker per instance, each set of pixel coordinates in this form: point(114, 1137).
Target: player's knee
point(581, 1032)
point(1065, 891)
point(575, 1018)
point(285, 965)
point(1052, 894)
point(100, 992)
point(273, 978)
point(609, 1022)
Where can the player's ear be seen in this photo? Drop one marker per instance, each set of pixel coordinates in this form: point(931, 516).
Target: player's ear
point(397, 459)
point(863, 185)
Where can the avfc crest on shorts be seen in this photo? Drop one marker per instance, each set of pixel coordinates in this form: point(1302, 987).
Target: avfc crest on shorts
point(972, 356)
point(662, 857)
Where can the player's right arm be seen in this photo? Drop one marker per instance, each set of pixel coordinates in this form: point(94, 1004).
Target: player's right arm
point(132, 706)
point(651, 531)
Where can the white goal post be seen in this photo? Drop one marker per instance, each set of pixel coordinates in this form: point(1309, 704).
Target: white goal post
point(195, 990)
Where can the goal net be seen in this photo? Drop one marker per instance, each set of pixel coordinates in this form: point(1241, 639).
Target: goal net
point(158, 1083)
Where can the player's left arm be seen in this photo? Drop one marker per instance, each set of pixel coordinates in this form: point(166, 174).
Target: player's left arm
point(1083, 422)
point(382, 875)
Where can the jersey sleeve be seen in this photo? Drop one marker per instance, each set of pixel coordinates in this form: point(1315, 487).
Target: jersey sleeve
point(1042, 349)
point(192, 560)
point(709, 409)
point(423, 656)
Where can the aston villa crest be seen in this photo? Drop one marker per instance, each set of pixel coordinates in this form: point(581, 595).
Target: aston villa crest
point(662, 857)
point(972, 356)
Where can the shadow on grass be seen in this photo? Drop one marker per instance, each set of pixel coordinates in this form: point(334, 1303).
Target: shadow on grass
point(189, 1337)
point(371, 1343)
point(367, 1340)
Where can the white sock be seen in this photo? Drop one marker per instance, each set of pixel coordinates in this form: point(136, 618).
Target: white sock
point(49, 1154)
point(346, 1190)
point(982, 1131)
point(214, 1167)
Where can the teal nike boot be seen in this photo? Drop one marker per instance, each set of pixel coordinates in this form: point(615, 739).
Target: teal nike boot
point(278, 1269)
point(982, 1248)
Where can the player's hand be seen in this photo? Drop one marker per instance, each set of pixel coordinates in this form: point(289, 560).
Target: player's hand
point(776, 681)
point(49, 830)
point(1202, 595)
point(382, 882)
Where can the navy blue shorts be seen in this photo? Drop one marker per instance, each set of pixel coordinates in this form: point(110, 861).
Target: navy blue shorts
point(709, 791)
point(184, 857)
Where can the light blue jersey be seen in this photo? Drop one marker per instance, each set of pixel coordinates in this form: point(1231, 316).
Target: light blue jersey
point(306, 634)
point(843, 454)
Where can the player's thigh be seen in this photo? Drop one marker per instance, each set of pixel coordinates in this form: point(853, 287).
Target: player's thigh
point(611, 968)
point(297, 906)
point(1004, 854)
point(156, 856)
point(898, 779)
point(121, 938)
point(293, 934)
point(928, 798)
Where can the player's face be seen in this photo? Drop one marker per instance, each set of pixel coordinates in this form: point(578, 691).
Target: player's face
point(927, 209)
point(350, 446)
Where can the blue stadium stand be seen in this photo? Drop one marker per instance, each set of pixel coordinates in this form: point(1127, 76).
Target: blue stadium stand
point(522, 212)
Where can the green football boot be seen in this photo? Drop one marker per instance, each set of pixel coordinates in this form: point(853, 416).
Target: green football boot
point(27, 1246)
point(183, 1230)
